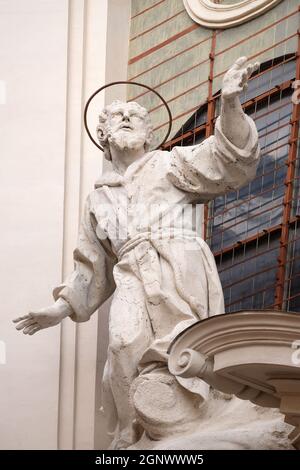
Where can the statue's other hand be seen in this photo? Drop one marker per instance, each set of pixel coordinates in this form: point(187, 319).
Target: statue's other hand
point(43, 318)
point(236, 78)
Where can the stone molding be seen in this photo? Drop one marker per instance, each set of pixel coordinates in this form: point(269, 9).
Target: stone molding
point(221, 16)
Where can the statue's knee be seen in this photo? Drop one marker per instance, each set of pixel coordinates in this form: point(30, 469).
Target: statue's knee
point(163, 406)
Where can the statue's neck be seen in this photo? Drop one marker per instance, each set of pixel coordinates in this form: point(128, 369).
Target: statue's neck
point(122, 158)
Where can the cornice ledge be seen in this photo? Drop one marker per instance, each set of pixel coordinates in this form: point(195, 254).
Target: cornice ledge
point(243, 328)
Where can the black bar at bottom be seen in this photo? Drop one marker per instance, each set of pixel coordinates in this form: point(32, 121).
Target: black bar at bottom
point(126, 459)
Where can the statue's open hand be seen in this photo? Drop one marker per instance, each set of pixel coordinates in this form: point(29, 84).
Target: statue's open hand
point(236, 78)
point(43, 318)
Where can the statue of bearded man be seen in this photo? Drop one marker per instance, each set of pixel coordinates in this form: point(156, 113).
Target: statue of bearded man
point(135, 243)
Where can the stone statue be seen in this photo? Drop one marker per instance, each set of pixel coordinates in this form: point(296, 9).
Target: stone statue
point(139, 240)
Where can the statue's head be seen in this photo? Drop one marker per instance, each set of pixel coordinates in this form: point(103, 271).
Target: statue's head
point(124, 125)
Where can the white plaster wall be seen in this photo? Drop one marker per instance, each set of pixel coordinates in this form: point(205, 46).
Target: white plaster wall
point(33, 57)
point(53, 55)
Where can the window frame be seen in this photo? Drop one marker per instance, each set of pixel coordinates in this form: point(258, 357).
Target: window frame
point(188, 136)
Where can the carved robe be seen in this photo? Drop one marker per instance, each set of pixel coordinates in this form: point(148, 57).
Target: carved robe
point(135, 242)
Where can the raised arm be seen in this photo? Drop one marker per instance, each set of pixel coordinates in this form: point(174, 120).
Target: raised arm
point(233, 120)
point(227, 160)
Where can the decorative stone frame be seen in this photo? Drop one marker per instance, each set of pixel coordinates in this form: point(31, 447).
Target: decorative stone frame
point(213, 15)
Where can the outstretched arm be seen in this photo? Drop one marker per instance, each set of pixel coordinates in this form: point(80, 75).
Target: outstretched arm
point(44, 318)
point(234, 123)
point(90, 284)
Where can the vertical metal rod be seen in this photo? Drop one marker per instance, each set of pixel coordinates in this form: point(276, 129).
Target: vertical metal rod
point(210, 113)
point(288, 196)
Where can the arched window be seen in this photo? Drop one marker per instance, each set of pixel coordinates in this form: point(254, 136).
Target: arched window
point(254, 233)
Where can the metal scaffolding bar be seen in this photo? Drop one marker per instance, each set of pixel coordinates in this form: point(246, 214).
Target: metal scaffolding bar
point(211, 107)
point(287, 204)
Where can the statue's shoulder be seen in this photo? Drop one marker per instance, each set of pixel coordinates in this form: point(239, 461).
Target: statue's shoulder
point(110, 178)
point(93, 199)
point(159, 155)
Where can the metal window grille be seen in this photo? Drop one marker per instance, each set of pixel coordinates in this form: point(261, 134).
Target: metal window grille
point(254, 233)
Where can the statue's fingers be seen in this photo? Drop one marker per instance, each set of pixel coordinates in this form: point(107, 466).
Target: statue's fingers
point(27, 329)
point(25, 317)
point(34, 330)
point(25, 323)
point(244, 77)
point(240, 62)
point(252, 68)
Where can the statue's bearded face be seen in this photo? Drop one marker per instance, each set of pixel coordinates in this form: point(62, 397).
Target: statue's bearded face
point(125, 126)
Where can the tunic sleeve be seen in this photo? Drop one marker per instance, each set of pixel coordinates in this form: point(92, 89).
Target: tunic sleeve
point(91, 282)
point(216, 165)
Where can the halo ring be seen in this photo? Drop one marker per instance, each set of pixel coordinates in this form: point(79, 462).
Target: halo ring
point(124, 82)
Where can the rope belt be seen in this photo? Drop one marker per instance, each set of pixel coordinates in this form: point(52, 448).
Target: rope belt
point(147, 247)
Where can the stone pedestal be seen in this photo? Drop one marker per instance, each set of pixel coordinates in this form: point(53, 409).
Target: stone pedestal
point(250, 354)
